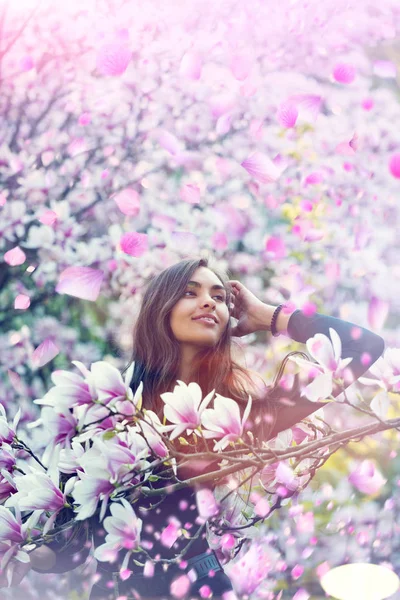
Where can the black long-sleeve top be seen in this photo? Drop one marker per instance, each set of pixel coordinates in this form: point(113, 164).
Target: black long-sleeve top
point(181, 504)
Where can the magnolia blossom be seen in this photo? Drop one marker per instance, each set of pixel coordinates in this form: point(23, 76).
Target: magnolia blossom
point(123, 530)
point(223, 421)
point(10, 527)
point(37, 491)
point(151, 427)
point(7, 457)
point(184, 407)
point(7, 433)
point(387, 371)
point(107, 466)
point(330, 365)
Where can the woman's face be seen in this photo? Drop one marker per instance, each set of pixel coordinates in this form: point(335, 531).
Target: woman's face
point(200, 297)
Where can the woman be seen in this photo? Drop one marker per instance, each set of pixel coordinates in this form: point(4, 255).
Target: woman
point(184, 332)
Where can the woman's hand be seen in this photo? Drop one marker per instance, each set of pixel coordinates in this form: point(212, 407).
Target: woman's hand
point(42, 558)
point(252, 314)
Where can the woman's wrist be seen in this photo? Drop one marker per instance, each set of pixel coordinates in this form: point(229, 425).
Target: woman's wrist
point(266, 312)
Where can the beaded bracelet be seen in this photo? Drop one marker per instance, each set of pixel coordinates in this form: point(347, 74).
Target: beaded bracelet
point(274, 331)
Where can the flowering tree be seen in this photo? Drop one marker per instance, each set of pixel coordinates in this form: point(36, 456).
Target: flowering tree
point(131, 138)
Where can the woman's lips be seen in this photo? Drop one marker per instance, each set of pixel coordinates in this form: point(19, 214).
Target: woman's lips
point(205, 320)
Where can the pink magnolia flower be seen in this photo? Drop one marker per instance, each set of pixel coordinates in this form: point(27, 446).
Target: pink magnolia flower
point(88, 492)
point(123, 530)
point(70, 389)
point(7, 432)
point(7, 457)
point(10, 527)
point(152, 436)
point(61, 425)
point(37, 491)
point(327, 352)
point(184, 407)
point(387, 371)
point(109, 384)
point(366, 478)
point(223, 421)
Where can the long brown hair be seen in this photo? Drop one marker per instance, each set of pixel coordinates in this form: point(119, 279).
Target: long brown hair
point(156, 352)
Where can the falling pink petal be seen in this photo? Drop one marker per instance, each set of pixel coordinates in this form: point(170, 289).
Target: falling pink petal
point(169, 535)
point(219, 241)
point(49, 217)
point(366, 478)
point(241, 65)
point(344, 73)
point(309, 309)
point(81, 282)
point(3, 199)
point(287, 114)
point(345, 149)
point(367, 103)
point(190, 193)
point(275, 246)
point(394, 165)
point(306, 205)
point(206, 503)
point(354, 143)
point(248, 89)
point(365, 359)
point(301, 594)
point(122, 34)
point(322, 569)
point(47, 157)
point(227, 541)
point(224, 124)
point(256, 128)
point(26, 63)
point(308, 103)
point(15, 381)
point(169, 142)
point(125, 574)
point(180, 586)
point(221, 104)
point(85, 118)
point(314, 179)
point(297, 571)
point(261, 167)
point(205, 591)
point(378, 311)
point(77, 146)
point(113, 59)
point(314, 235)
point(385, 68)
point(22, 302)
point(128, 202)
point(262, 507)
point(134, 244)
point(191, 65)
point(148, 570)
point(44, 353)
point(15, 257)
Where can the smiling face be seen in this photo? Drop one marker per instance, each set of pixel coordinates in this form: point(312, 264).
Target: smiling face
point(204, 293)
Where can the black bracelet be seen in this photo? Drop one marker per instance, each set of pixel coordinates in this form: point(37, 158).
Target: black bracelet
point(274, 332)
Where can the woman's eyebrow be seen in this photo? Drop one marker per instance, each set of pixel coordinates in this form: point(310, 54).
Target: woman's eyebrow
point(213, 287)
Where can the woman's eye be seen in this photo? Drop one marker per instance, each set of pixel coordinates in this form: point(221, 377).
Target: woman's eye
point(220, 298)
